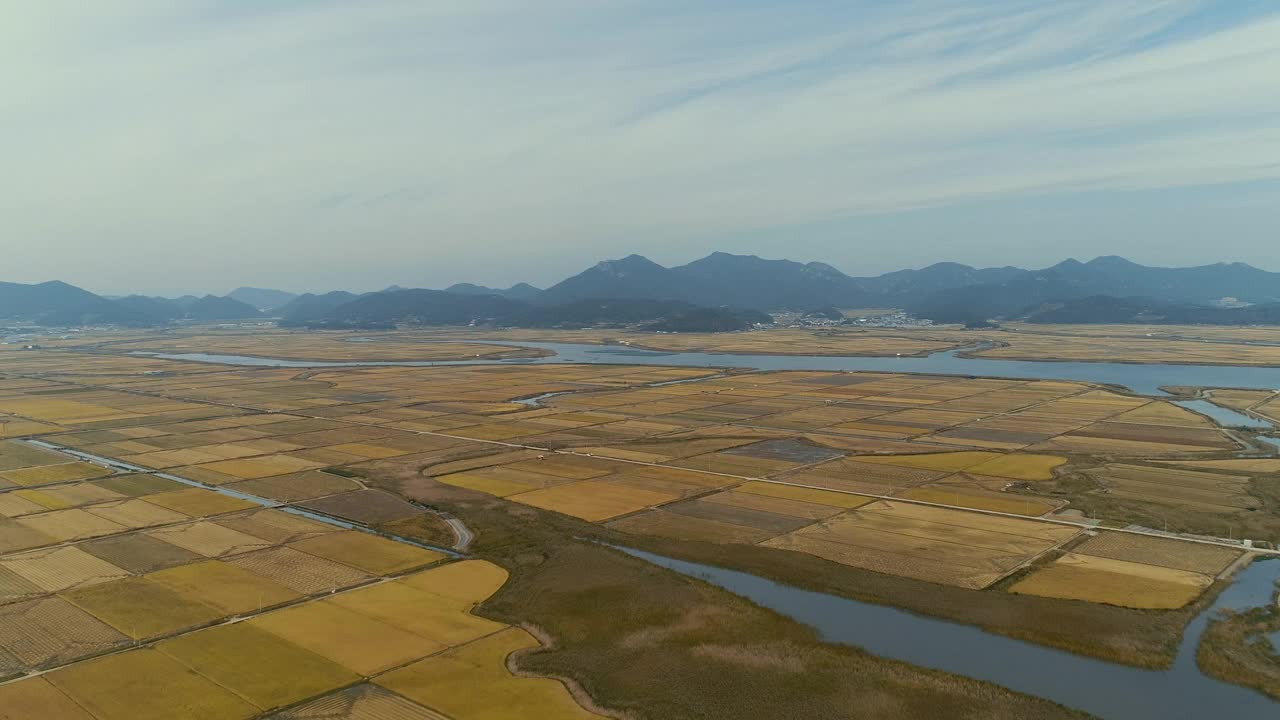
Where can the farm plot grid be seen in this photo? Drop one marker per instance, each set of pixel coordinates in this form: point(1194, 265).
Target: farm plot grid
point(927, 477)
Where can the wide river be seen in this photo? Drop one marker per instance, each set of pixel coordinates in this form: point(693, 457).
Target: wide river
point(1104, 689)
point(1144, 379)
point(1107, 690)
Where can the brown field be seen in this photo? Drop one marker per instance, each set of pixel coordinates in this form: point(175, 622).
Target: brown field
point(367, 507)
point(1114, 582)
point(661, 523)
point(298, 571)
point(1247, 466)
point(38, 699)
point(197, 502)
point(138, 553)
point(292, 488)
point(230, 589)
point(940, 545)
point(964, 494)
point(209, 539)
point(51, 631)
point(257, 665)
point(141, 608)
point(366, 552)
point(593, 499)
point(61, 568)
point(1164, 552)
point(416, 612)
point(147, 685)
point(363, 702)
point(1208, 491)
point(31, 477)
point(468, 681)
point(359, 643)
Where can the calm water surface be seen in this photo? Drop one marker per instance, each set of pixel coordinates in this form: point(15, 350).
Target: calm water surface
point(1225, 416)
point(1108, 690)
point(1144, 379)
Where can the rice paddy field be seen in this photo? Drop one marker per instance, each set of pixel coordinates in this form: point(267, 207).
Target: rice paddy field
point(217, 526)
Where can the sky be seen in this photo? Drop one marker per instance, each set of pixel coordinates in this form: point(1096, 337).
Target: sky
point(175, 146)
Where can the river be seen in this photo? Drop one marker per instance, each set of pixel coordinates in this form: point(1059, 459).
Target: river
point(1143, 379)
point(1108, 690)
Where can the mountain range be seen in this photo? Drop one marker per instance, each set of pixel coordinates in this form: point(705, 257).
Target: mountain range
point(725, 290)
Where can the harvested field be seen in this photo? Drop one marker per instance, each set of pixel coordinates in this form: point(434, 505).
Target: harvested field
point(14, 587)
point(730, 463)
point(199, 503)
point(13, 505)
point(276, 526)
point(138, 553)
point(232, 590)
point(134, 514)
point(1207, 491)
point(803, 494)
point(298, 571)
point(472, 681)
point(466, 581)
point(1020, 467)
point(367, 552)
point(32, 477)
point(62, 568)
point(792, 451)
point(51, 631)
point(363, 702)
point(261, 667)
point(1247, 466)
point(359, 643)
point(938, 462)
point(19, 455)
point(855, 476)
point(1114, 582)
point(769, 522)
point(1164, 552)
point(423, 614)
point(61, 497)
point(368, 507)
point(1163, 413)
point(141, 608)
point(593, 500)
point(147, 685)
point(496, 481)
point(662, 523)
point(966, 495)
point(299, 486)
point(935, 544)
point(14, 536)
point(36, 698)
point(1199, 438)
point(139, 485)
point(778, 505)
point(209, 539)
point(260, 467)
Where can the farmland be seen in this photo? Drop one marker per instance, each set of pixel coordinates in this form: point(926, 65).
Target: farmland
point(953, 496)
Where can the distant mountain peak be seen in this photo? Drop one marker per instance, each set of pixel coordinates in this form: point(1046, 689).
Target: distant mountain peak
point(628, 265)
point(1111, 262)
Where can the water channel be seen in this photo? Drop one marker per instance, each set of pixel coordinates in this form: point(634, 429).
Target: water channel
point(1108, 690)
point(1226, 417)
point(1143, 379)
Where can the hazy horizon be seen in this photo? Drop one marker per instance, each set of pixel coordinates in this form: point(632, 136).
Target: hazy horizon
point(167, 148)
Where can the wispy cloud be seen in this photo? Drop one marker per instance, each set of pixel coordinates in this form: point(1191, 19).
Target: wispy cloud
point(398, 135)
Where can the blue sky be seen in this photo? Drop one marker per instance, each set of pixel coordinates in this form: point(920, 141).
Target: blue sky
point(190, 145)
